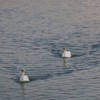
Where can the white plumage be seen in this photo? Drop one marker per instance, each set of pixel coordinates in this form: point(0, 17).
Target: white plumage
point(24, 78)
point(66, 53)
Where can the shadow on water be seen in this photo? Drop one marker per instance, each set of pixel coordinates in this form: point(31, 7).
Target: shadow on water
point(40, 77)
point(33, 78)
point(62, 70)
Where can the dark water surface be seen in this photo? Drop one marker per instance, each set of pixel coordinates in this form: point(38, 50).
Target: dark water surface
point(32, 36)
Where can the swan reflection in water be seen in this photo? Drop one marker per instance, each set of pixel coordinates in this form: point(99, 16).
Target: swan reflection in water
point(23, 90)
point(65, 60)
point(67, 68)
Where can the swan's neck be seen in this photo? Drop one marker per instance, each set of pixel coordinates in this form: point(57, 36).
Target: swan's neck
point(23, 73)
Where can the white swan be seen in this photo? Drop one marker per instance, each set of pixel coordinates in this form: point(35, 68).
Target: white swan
point(24, 78)
point(66, 53)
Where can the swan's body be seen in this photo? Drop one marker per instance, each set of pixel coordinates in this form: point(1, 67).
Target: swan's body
point(24, 78)
point(66, 53)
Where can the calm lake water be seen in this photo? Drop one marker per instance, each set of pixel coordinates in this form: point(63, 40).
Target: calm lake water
point(33, 34)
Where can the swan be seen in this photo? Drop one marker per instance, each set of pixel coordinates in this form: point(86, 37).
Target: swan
point(66, 53)
point(24, 78)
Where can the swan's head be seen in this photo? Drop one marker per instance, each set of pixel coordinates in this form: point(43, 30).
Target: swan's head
point(23, 70)
point(64, 49)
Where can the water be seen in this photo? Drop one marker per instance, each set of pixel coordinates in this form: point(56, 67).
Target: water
point(32, 36)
